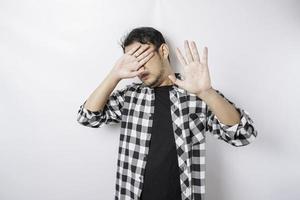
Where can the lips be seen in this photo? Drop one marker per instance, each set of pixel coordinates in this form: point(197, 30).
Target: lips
point(144, 75)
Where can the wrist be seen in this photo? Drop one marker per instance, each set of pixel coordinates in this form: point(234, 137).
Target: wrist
point(204, 94)
point(114, 77)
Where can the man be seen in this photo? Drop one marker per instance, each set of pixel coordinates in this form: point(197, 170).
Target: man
point(163, 119)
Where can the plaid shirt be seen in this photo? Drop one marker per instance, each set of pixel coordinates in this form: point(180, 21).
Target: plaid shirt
point(133, 106)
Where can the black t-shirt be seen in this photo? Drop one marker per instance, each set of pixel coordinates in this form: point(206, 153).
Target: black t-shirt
point(161, 178)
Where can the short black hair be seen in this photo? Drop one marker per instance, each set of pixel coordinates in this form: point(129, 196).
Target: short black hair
point(144, 35)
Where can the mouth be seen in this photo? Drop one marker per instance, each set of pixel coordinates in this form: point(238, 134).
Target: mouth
point(143, 76)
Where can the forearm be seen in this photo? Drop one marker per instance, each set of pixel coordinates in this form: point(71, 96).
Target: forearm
point(224, 111)
point(98, 98)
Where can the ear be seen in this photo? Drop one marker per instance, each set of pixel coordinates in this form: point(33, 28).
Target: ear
point(164, 50)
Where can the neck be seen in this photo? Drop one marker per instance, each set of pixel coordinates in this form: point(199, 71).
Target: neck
point(168, 71)
point(166, 81)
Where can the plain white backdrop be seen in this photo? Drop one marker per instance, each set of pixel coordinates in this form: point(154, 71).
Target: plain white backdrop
point(53, 54)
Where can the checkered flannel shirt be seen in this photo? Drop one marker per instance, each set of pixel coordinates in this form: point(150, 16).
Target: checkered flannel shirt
point(133, 107)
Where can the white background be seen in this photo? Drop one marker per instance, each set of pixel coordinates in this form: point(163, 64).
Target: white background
point(53, 54)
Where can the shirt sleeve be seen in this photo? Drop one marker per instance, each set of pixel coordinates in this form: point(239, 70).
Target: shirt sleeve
point(240, 134)
point(110, 114)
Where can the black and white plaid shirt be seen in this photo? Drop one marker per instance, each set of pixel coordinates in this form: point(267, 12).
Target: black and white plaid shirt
point(133, 106)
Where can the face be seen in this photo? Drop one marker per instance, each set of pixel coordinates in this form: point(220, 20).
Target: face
point(154, 68)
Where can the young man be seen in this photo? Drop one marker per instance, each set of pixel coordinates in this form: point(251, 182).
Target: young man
point(163, 119)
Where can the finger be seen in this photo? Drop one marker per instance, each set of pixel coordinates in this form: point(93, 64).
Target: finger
point(144, 60)
point(141, 50)
point(180, 57)
point(205, 56)
point(146, 53)
point(195, 52)
point(188, 52)
point(138, 72)
point(133, 49)
point(132, 66)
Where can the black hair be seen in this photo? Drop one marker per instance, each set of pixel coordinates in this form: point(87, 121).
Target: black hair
point(144, 35)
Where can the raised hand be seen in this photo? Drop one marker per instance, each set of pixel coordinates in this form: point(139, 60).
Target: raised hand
point(129, 65)
point(196, 78)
